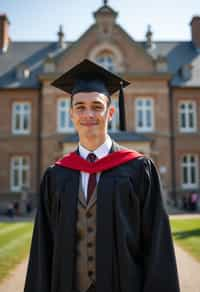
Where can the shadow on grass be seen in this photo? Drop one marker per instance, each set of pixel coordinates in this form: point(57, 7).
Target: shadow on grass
point(186, 234)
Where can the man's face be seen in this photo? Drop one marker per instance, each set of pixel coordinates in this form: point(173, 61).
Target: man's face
point(90, 114)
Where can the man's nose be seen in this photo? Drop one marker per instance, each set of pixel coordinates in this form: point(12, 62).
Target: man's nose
point(89, 113)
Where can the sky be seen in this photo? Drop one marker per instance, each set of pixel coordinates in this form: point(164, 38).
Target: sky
point(39, 20)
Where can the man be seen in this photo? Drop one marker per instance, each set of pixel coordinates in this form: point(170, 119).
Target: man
point(100, 224)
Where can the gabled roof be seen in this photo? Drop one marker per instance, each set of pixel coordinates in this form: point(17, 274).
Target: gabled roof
point(33, 55)
point(178, 54)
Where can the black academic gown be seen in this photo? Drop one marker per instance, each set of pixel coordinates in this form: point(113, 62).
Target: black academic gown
point(134, 251)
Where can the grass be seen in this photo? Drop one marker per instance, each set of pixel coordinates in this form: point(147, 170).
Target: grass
point(186, 233)
point(14, 245)
point(15, 241)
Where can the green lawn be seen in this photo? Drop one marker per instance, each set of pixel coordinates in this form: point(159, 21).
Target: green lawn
point(14, 245)
point(186, 233)
point(15, 241)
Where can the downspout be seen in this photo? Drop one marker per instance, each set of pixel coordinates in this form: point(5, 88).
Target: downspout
point(39, 144)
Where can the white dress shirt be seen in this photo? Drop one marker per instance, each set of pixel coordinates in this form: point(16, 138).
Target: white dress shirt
point(100, 152)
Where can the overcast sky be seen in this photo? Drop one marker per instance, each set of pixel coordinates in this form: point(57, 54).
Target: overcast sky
point(40, 19)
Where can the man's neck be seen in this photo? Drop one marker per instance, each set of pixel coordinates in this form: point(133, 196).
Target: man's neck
point(92, 144)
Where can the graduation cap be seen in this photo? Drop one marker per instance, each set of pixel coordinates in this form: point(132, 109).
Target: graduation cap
point(88, 77)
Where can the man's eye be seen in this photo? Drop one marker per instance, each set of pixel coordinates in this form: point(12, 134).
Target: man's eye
point(98, 108)
point(80, 107)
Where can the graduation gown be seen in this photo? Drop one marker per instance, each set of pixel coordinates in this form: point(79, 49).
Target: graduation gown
point(134, 249)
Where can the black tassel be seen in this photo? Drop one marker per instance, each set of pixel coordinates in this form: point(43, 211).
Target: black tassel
point(122, 114)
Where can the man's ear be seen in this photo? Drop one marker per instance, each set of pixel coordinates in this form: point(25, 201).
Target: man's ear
point(71, 113)
point(111, 112)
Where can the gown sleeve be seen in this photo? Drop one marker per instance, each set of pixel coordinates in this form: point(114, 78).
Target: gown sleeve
point(160, 270)
point(38, 275)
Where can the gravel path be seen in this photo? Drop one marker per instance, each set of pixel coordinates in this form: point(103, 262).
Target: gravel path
point(188, 269)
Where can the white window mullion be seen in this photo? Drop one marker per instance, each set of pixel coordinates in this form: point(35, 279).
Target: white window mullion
point(187, 117)
point(189, 169)
point(144, 108)
point(114, 124)
point(64, 123)
point(19, 165)
point(21, 118)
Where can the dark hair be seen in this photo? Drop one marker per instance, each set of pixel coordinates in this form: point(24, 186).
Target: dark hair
point(108, 102)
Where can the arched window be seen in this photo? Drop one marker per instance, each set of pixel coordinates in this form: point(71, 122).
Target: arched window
point(106, 60)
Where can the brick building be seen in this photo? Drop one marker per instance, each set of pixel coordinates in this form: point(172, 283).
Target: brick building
point(162, 102)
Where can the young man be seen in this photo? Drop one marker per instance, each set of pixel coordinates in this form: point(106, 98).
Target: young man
point(100, 224)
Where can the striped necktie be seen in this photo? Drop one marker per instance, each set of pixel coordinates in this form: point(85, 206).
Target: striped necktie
point(92, 178)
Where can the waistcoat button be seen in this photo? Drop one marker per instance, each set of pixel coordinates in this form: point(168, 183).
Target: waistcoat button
point(90, 229)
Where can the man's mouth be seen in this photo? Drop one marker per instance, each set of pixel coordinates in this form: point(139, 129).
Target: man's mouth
point(89, 124)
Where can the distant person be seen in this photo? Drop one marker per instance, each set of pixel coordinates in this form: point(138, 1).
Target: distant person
point(16, 207)
point(10, 210)
point(193, 201)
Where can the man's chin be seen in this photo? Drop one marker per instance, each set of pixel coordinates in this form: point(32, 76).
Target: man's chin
point(91, 132)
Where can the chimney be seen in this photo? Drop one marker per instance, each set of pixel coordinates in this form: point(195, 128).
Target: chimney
point(195, 26)
point(4, 37)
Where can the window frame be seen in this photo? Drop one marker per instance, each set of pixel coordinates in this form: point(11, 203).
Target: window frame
point(183, 164)
point(115, 118)
point(145, 128)
point(187, 129)
point(21, 131)
point(111, 66)
point(27, 167)
point(65, 129)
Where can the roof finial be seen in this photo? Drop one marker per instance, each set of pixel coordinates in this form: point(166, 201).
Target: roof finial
point(149, 37)
point(61, 36)
point(105, 2)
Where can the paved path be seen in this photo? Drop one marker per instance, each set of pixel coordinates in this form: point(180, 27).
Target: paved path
point(185, 216)
point(15, 282)
point(188, 269)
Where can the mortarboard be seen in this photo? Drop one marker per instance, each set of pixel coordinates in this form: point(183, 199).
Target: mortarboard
point(88, 77)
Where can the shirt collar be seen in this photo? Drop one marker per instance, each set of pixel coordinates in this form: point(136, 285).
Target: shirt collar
point(100, 152)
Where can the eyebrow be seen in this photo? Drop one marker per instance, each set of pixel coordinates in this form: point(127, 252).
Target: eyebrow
point(82, 103)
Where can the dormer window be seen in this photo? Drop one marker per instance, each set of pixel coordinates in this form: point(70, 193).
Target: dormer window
point(186, 72)
point(161, 64)
point(49, 65)
point(23, 72)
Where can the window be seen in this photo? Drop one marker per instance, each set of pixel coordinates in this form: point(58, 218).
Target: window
point(20, 173)
point(144, 115)
point(106, 60)
point(187, 116)
point(64, 123)
point(114, 123)
point(21, 113)
point(189, 171)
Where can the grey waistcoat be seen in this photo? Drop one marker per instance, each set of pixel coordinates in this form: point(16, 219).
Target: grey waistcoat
point(85, 256)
